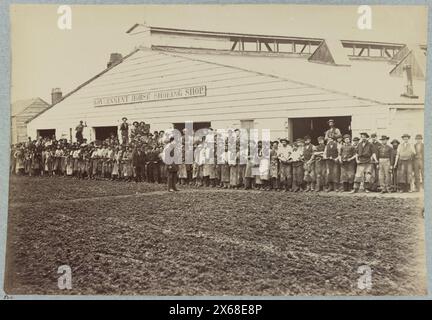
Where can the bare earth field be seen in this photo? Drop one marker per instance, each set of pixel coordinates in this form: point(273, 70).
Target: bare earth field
point(127, 238)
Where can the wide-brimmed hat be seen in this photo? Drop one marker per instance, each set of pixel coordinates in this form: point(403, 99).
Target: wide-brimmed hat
point(331, 120)
point(384, 137)
point(135, 123)
point(356, 139)
point(284, 139)
point(419, 136)
point(364, 134)
point(406, 135)
point(395, 141)
point(124, 118)
point(346, 136)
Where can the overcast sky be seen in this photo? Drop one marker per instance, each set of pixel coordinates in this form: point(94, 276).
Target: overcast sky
point(44, 57)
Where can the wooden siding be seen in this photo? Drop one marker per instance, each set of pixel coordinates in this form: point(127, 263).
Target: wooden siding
point(233, 95)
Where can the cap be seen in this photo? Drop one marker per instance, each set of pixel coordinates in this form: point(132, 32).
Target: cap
point(384, 137)
point(419, 136)
point(406, 135)
point(356, 139)
point(331, 120)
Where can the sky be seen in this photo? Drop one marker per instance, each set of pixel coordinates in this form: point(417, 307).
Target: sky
point(45, 57)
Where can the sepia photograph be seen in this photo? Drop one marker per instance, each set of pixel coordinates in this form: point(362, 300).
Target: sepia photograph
point(252, 150)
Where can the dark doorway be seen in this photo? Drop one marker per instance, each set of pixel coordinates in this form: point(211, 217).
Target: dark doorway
point(196, 125)
point(46, 133)
point(102, 133)
point(315, 127)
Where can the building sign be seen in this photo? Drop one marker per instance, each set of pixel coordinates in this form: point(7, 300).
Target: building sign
point(169, 94)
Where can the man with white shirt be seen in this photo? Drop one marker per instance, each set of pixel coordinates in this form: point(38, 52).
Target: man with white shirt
point(284, 156)
point(404, 163)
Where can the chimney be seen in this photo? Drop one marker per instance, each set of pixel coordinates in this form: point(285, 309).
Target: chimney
point(56, 95)
point(409, 87)
point(115, 58)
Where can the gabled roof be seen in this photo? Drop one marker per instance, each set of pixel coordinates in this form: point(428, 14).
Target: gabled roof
point(84, 84)
point(330, 51)
point(19, 107)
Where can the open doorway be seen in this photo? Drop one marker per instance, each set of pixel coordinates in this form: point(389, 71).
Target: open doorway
point(315, 127)
point(102, 133)
point(196, 125)
point(46, 133)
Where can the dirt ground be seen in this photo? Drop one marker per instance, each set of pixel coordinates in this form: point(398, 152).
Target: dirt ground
point(130, 239)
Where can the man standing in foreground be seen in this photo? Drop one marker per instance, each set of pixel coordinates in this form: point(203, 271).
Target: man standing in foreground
point(384, 164)
point(172, 167)
point(284, 156)
point(364, 157)
point(403, 163)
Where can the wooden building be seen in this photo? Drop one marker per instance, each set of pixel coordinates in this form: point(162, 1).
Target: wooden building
point(244, 81)
point(21, 112)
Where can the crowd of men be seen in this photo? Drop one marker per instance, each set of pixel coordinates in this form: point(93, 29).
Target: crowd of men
point(335, 163)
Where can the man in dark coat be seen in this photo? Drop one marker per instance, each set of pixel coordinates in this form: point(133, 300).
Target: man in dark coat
point(365, 157)
point(171, 168)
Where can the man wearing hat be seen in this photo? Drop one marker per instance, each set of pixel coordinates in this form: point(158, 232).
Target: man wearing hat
point(374, 168)
point(284, 156)
point(364, 157)
point(418, 162)
point(395, 144)
point(404, 164)
point(332, 132)
point(309, 168)
point(79, 132)
point(331, 154)
point(297, 165)
point(274, 165)
point(135, 131)
point(347, 155)
point(319, 164)
point(384, 164)
point(124, 131)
